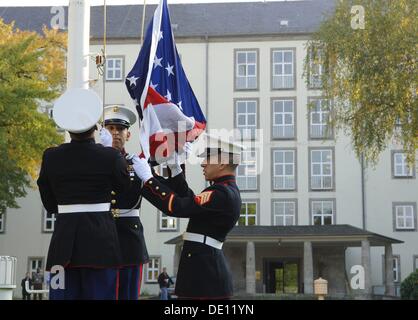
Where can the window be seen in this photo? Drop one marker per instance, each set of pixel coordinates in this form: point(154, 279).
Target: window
point(167, 223)
point(283, 69)
point(247, 171)
point(248, 216)
point(284, 212)
point(284, 169)
point(153, 269)
point(114, 68)
point(318, 119)
point(415, 259)
point(2, 223)
point(323, 212)
point(246, 118)
point(321, 169)
point(48, 221)
point(246, 69)
point(396, 269)
point(34, 263)
point(400, 167)
point(283, 119)
point(316, 68)
point(405, 216)
point(47, 109)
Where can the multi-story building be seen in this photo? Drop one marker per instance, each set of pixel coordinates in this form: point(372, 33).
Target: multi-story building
point(310, 207)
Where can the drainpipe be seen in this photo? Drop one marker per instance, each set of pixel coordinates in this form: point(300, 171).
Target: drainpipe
point(363, 191)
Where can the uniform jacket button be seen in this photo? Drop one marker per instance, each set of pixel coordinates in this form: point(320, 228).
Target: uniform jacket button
point(163, 193)
point(113, 201)
point(113, 193)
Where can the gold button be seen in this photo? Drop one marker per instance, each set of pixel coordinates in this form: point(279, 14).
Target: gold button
point(150, 182)
point(113, 201)
point(157, 187)
point(132, 179)
point(136, 226)
point(113, 193)
point(189, 255)
point(163, 193)
point(115, 213)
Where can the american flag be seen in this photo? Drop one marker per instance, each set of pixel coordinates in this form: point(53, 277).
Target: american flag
point(164, 98)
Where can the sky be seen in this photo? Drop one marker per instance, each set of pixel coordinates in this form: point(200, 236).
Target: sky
point(21, 3)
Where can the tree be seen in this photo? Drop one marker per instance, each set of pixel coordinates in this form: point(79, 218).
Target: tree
point(370, 73)
point(409, 287)
point(32, 73)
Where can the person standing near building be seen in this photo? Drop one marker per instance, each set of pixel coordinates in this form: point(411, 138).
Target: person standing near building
point(25, 294)
point(164, 281)
point(37, 281)
point(75, 181)
point(203, 271)
point(126, 208)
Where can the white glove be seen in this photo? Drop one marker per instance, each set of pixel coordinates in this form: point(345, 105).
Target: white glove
point(174, 165)
point(187, 149)
point(106, 137)
point(142, 168)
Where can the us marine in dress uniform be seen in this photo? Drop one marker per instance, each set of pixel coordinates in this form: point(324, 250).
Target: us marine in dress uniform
point(75, 182)
point(203, 272)
point(126, 208)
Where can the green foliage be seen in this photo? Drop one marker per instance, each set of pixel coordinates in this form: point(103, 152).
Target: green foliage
point(371, 74)
point(32, 73)
point(409, 287)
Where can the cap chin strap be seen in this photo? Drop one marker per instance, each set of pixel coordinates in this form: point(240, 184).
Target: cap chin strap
point(117, 122)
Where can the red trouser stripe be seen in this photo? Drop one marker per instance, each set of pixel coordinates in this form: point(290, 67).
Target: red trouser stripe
point(140, 280)
point(117, 285)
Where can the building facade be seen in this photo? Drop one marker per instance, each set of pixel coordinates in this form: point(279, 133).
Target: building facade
point(309, 207)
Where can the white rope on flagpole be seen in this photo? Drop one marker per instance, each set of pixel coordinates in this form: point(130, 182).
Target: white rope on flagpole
point(104, 57)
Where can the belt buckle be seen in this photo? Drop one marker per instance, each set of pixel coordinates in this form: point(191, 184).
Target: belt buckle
point(115, 213)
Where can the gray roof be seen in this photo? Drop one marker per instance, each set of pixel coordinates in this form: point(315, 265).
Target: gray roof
point(192, 20)
point(295, 232)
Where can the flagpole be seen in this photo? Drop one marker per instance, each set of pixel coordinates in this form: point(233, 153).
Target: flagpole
point(143, 21)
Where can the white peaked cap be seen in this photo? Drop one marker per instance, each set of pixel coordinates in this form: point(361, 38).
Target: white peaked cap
point(119, 115)
point(77, 110)
point(222, 145)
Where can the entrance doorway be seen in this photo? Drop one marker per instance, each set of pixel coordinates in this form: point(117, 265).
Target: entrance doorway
point(281, 276)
